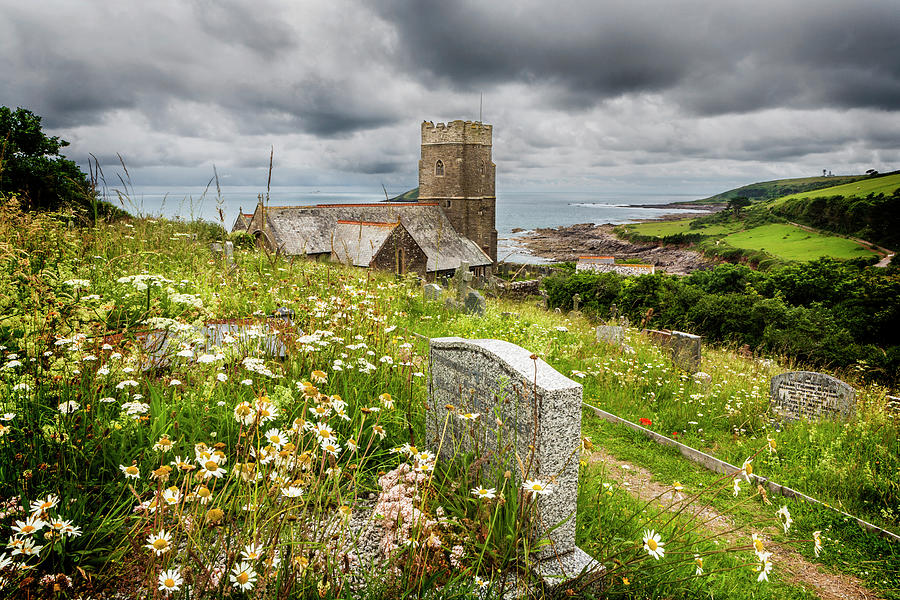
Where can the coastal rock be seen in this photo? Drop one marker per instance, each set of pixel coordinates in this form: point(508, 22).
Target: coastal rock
point(568, 243)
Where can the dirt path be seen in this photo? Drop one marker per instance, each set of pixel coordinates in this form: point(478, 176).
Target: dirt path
point(827, 586)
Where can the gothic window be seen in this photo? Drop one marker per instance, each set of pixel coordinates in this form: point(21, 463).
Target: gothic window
point(447, 204)
point(482, 168)
point(439, 168)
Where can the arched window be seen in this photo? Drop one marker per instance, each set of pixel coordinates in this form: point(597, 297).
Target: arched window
point(439, 168)
point(482, 168)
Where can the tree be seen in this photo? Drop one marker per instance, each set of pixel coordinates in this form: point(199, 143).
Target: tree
point(737, 203)
point(32, 168)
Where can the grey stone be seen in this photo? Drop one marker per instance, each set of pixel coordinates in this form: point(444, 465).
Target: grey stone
point(432, 291)
point(461, 279)
point(684, 348)
point(546, 298)
point(611, 334)
point(475, 304)
point(576, 302)
point(811, 395)
point(539, 408)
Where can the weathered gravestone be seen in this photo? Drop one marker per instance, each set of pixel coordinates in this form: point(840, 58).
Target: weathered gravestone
point(461, 279)
point(611, 334)
point(538, 407)
point(432, 291)
point(475, 303)
point(810, 395)
point(576, 302)
point(685, 348)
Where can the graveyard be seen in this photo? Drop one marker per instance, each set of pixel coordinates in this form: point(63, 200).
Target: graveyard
point(188, 421)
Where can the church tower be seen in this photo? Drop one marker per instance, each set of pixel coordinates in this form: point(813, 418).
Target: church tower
point(456, 171)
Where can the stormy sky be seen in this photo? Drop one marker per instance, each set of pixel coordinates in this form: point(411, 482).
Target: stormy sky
point(582, 94)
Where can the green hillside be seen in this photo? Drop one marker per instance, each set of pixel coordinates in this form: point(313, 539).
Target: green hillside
point(407, 196)
point(769, 190)
point(857, 188)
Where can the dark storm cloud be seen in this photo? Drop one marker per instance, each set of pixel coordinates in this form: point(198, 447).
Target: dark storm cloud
point(714, 58)
point(577, 89)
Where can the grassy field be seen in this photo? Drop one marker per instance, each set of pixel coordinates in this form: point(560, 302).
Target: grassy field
point(214, 472)
point(789, 242)
point(664, 228)
point(861, 188)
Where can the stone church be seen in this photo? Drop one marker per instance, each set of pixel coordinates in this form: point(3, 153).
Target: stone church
point(451, 221)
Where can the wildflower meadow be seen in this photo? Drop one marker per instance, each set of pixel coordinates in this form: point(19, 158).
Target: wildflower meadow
point(175, 427)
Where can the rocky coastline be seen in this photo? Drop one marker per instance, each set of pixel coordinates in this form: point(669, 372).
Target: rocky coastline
point(568, 243)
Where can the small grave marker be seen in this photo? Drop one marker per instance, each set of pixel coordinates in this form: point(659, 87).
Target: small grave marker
point(538, 406)
point(685, 348)
point(475, 304)
point(432, 291)
point(611, 334)
point(810, 395)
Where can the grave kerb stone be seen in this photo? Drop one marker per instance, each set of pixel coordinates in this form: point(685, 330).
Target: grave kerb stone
point(811, 395)
point(538, 406)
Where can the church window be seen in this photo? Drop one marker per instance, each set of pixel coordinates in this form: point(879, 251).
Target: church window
point(482, 168)
point(439, 168)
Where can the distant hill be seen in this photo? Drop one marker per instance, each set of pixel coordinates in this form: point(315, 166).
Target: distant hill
point(408, 196)
point(769, 190)
point(880, 184)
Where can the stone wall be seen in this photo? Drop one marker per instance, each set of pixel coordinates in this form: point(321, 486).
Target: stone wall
point(401, 254)
point(627, 270)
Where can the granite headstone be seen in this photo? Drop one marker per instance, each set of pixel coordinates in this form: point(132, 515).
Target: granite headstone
point(539, 408)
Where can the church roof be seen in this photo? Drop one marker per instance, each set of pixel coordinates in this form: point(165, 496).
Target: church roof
point(313, 229)
point(357, 242)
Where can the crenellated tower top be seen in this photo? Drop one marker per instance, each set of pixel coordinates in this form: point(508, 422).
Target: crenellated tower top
point(456, 132)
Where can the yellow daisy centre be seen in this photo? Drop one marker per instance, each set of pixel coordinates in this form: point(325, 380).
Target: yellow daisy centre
point(748, 468)
point(27, 528)
point(537, 487)
point(211, 465)
point(758, 545)
point(132, 470)
point(324, 433)
point(243, 578)
point(160, 544)
point(169, 582)
point(651, 543)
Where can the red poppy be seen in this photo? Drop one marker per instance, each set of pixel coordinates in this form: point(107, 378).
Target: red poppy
point(674, 434)
point(646, 422)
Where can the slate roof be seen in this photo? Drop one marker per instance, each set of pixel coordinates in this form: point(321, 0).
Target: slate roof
point(241, 222)
point(357, 242)
point(312, 230)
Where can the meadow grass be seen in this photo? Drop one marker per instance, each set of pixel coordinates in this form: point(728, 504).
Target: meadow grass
point(789, 242)
point(216, 471)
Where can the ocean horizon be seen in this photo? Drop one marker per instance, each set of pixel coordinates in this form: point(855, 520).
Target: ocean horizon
point(519, 210)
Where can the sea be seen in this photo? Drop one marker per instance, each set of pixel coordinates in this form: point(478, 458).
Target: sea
point(522, 211)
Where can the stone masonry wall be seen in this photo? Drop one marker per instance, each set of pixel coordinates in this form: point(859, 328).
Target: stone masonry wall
point(400, 254)
point(466, 190)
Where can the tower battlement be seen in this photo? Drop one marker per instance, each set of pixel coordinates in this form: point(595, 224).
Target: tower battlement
point(456, 132)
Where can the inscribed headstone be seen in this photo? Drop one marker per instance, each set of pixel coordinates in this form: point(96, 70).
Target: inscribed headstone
point(810, 395)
